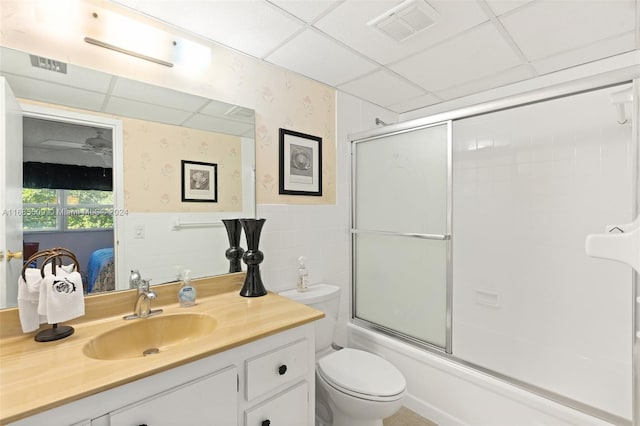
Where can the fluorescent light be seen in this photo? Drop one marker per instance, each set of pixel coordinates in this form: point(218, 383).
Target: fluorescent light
point(126, 51)
point(131, 37)
point(125, 35)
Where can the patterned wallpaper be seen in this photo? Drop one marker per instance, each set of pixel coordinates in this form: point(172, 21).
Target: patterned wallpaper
point(152, 155)
point(152, 169)
point(279, 97)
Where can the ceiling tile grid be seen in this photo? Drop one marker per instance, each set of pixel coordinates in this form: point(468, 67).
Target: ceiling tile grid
point(390, 89)
point(474, 45)
point(477, 53)
point(544, 28)
point(314, 55)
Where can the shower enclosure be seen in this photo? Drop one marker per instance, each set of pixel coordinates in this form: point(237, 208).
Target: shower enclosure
point(468, 239)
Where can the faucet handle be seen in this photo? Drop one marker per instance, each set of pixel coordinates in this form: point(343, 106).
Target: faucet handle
point(151, 295)
point(144, 284)
point(134, 279)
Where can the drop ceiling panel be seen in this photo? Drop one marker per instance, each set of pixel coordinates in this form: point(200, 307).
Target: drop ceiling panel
point(218, 125)
point(307, 10)
point(54, 93)
point(382, 88)
point(253, 27)
point(414, 103)
point(315, 56)
point(348, 23)
point(518, 73)
point(16, 62)
point(145, 111)
point(36, 130)
point(601, 49)
point(544, 28)
point(475, 54)
point(138, 91)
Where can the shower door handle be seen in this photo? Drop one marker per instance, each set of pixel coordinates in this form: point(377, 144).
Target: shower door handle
point(442, 237)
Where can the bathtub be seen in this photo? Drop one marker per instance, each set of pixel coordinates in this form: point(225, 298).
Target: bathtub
point(452, 394)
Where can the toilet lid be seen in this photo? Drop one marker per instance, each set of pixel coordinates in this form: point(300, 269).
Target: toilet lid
point(362, 372)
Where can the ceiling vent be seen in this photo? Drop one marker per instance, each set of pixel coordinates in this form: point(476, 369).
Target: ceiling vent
point(406, 20)
point(48, 64)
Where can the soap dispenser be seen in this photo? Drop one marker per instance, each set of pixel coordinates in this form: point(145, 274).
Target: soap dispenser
point(303, 276)
point(187, 293)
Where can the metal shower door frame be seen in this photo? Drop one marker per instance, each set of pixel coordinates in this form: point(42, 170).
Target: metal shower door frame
point(614, 77)
point(442, 237)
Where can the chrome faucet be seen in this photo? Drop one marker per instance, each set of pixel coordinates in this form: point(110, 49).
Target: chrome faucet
point(142, 307)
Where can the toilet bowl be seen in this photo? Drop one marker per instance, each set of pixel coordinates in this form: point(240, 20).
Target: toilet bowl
point(360, 388)
point(353, 387)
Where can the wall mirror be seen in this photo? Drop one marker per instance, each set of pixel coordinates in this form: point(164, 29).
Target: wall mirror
point(153, 230)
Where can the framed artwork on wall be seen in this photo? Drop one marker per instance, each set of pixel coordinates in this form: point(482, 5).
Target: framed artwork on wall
point(300, 163)
point(199, 182)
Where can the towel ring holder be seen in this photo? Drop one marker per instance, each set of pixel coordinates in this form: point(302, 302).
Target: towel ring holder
point(57, 256)
point(52, 256)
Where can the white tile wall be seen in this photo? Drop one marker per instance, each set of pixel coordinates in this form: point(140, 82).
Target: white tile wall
point(529, 184)
point(162, 253)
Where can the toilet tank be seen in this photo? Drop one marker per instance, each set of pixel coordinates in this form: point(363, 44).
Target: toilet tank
point(325, 298)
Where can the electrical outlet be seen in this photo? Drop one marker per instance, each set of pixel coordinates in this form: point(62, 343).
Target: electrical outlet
point(138, 232)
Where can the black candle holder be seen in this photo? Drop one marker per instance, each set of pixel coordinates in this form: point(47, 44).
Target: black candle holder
point(234, 252)
point(253, 286)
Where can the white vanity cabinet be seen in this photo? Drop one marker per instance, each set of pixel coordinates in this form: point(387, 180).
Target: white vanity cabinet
point(267, 382)
point(208, 400)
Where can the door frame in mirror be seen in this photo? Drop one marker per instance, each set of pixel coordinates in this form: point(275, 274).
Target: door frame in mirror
point(116, 126)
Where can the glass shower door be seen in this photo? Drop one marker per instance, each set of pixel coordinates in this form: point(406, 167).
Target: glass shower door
point(401, 233)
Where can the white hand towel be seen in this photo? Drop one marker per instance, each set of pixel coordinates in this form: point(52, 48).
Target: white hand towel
point(28, 295)
point(61, 271)
point(65, 297)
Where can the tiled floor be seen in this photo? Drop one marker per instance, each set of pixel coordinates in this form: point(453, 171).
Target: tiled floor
point(406, 417)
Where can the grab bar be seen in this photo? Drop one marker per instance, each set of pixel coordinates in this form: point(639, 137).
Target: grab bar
point(179, 225)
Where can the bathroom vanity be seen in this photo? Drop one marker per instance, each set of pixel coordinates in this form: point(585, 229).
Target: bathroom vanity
point(255, 368)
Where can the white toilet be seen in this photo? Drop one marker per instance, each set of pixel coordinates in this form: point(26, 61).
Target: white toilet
point(353, 387)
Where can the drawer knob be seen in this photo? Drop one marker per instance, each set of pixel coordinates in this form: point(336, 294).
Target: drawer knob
point(266, 422)
point(282, 369)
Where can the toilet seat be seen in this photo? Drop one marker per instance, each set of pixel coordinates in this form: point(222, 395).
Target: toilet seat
point(362, 375)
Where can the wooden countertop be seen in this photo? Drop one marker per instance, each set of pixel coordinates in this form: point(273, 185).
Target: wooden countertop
point(35, 377)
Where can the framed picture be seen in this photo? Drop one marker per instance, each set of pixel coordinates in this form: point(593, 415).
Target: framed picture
point(300, 163)
point(199, 181)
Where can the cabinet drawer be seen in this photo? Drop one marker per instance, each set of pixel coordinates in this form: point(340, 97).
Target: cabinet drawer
point(278, 367)
point(211, 400)
point(289, 408)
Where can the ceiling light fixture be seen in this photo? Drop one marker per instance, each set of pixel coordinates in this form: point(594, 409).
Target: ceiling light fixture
point(98, 144)
point(124, 35)
point(127, 52)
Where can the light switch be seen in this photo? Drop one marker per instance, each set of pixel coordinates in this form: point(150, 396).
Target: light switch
point(138, 232)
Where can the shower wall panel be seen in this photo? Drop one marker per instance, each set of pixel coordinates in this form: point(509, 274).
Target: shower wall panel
point(529, 184)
